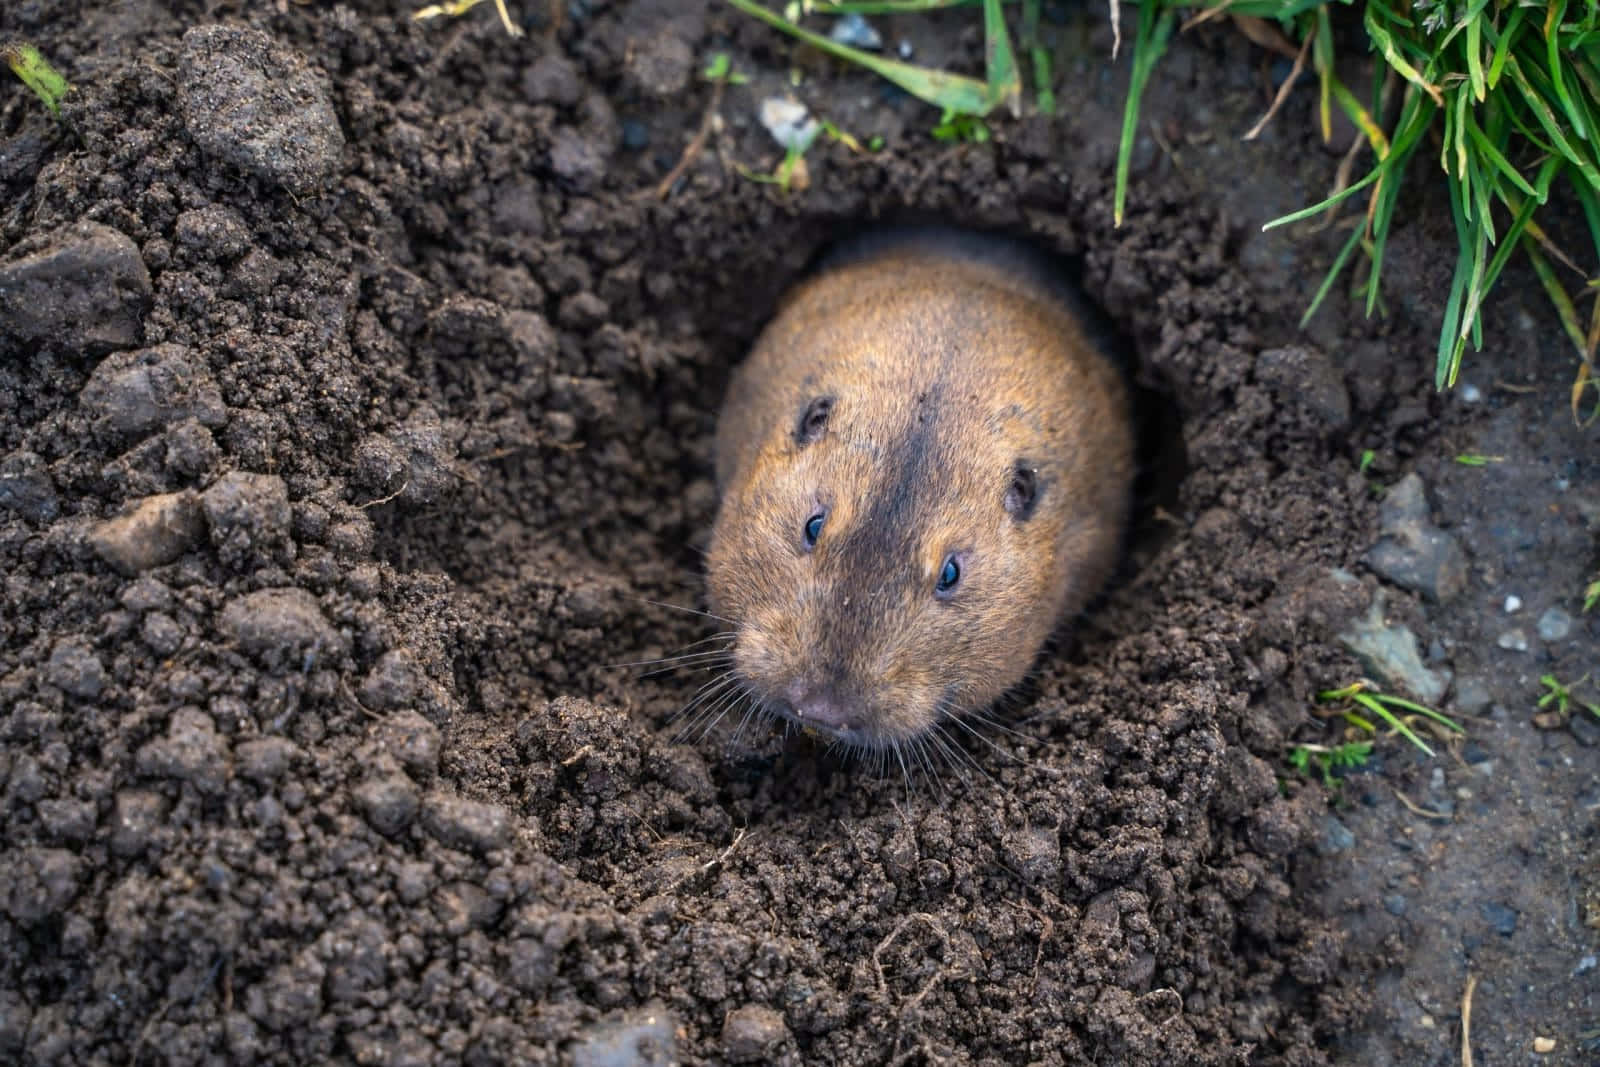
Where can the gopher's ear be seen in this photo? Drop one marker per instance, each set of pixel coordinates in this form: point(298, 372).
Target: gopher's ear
point(1022, 495)
point(813, 420)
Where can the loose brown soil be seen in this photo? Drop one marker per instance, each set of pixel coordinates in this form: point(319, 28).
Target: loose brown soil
point(356, 402)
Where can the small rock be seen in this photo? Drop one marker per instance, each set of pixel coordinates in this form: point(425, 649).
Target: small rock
point(1513, 604)
point(1471, 394)
point(1472, 696)
point(1391, 654)
point(248, 513)
point(282, 624)
point(1554, 625)
point(390, 802)
point(84, 290)
point(137, 816)
point(75, 669)
point(252, 103)
point(1412, 553)
point(1501, 918)
point(1585, 965)
point(133, 394)
point(1473, 753)
point(26, 487)
point(790, 124)
point(856, 32)
point(1542, 1045)
point(904, 49)
point(192, 451)
point(1395, 904)
point(157, 531)
point(646, 1038)
point(1513, 641)
point(635, 135)
point(752, 1033)
point(466, 824)
point(393, 681)
point(192, 751)
point(1336, 837)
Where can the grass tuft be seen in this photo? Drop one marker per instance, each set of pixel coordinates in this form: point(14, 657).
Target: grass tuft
point(1386, 708)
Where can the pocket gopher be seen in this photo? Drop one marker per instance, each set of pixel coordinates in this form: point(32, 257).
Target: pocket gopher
point(925, 463)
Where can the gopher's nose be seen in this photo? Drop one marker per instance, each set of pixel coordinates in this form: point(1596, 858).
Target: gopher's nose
point(820, 706)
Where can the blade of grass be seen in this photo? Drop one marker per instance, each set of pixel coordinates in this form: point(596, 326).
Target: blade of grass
point(1000, 62)
point(1366, 701)
point(1155, 27)
point(1334, 271)
point(29, 65)
point(953, 92)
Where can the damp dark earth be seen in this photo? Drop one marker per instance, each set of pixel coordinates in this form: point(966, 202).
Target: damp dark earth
point(358, 384)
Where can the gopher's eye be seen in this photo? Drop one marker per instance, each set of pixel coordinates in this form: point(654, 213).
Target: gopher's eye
point(949, 576)
point(813, 529)
point(813, 420)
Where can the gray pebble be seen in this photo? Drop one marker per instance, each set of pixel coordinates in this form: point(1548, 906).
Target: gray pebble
point(192, 451)
point(156, 531)
point(1395, 904)
point(466, 824)
point(1584, 726)
point(856, 32)
point(133, 394)
point(1501, 918)
point(85, 290)
point(390, 802)
point(254, 104)
point(1391, 654)
point(645, 1038)
point(75, 669)
point(282, 625)
point(1585, 965)
point(393, 681)
point(1413, 553)
point(1336, 837)
point(752, 1034)
point(146, 594)
point(1554, 625)
point(26, 487)
point(1513, 641)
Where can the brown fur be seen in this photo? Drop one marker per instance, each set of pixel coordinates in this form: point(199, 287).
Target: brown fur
point(949, 358)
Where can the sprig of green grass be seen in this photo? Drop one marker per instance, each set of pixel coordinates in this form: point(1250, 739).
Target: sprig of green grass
point(37, 74)
point(1560, 694)
point(1326, 759)
point(1383, 706)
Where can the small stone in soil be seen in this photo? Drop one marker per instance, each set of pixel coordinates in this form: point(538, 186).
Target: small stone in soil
point(466, 824)
point(132, 394)
point(85, 291)
point(1585, 965)
point(76, 670)
point(158, 530)
point(1513, 604)
point(1585, 727)
point(1412, 552)
point(1554, 625)
point(1472, 696)
point(1500, 917)
point(1392, 655)
point(273, 623)
point(1513, 641)
point(855, 31)
point(1395, 904)
point(26, 487)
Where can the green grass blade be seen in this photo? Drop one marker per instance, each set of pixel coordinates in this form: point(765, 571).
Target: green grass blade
point(1552, 126)
point(1504, 46)
point(1474, 49)
point(37, 74)
point(1486, 147)
point(1155, 27)
point(1366, 701)
point(951, 92)
point(1557, 294)
point(1005, 80)
point(1334, 271)
point(1422, 709)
